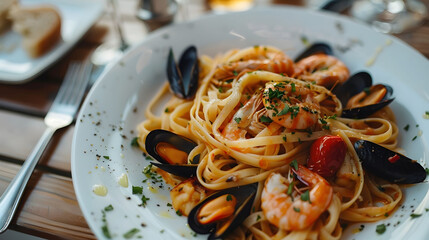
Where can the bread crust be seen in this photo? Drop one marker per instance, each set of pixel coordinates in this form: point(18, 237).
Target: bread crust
point(34, 43)
point(5, 6)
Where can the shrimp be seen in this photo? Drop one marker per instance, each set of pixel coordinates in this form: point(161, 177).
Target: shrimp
point(325, 70)
point(292, 106)
point(187, 195)
point(287, 210)
point(279, 64)
point(243, 119)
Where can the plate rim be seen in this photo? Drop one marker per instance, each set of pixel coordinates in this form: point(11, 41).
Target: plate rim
point(165, 29)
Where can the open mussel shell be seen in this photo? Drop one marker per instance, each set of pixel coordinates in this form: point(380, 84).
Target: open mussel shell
point(244, 195)
point(387, 164)
point(354, 85)
point(365, 111)
point(183, 78)
point(318, 47)
point(159, 138)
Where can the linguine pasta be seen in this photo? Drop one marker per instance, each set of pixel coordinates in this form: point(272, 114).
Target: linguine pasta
point(239, 142)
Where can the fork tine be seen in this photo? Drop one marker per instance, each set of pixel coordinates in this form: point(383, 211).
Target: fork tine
point(74, 85)
point(65, 86)
point(71, 88)
point(81, 85)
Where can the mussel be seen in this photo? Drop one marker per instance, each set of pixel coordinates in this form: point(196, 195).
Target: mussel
point(223, 211)
point(318, 47)
point(387, 164)
point(365, 98)
point(183, 78)
point(171, 151)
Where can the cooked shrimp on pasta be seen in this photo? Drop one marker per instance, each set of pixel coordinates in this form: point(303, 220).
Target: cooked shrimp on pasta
point(265, 142)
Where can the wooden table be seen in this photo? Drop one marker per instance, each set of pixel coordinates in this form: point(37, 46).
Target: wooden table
point(49, 207)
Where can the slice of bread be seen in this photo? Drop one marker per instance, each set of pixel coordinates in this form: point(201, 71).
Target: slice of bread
point(5, 6)
point(39, 26)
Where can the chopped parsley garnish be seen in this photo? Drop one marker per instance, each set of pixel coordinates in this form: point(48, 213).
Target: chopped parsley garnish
point(169, 205)
point(237, 119)
point(296, 209)
point(326, 127)
point(414, 215)
point(265, 119)
point(130, 233)
point(106, 157)
point(284, 111)
point(150, 175)
point(106, 231)
point(305, 196)
point(235, 73)
point(380, 229)
point(258, 217)
point(137, 190)
point(290, 188)
point(166, 110)
point(284, 138)
point(293, 87)
point(105, 228)
point(276, 93)
point(134, 142)
point(407, 127)
point(228, 197)
point(332, 117)
point(294, 164)
point(144, 200)
point(414, 138)
point(304, 40)
point(178, 212)
point(427, 171)
point(108, 208)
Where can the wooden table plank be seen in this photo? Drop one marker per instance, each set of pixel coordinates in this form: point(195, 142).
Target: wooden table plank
point(20, 133)
point(50, 205)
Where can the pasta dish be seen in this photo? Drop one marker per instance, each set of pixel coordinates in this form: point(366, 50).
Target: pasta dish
point(260, 119)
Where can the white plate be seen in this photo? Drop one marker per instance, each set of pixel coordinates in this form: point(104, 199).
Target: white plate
point(77, 17)
point(116, 104)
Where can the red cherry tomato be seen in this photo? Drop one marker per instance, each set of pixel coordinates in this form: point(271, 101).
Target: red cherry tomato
point(326, 155)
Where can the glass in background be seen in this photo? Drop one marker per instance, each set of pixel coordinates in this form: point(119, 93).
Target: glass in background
point(390, 16)
point(156, 13)
point(229, 5)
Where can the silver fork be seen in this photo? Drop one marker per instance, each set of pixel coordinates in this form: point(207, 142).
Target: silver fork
point(60, 115)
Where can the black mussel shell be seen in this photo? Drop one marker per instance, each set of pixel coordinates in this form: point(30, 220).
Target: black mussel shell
point(337, 6)
point(186, 171)
point(316, 48)
point(245, 196)
point(365, 111)
point(181, 143)
point(183, 77)
point(387, 164)
point(354, 85)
